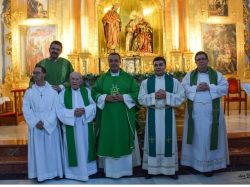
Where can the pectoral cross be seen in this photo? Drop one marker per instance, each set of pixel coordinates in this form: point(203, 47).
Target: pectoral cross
point(41, 95)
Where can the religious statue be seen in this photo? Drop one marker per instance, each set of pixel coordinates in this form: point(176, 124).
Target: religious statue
point(112, 26)
point(139, 34)
point(130, 29)
point(143, 37)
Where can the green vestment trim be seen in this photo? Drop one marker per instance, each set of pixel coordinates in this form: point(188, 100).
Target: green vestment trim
point(168, 119)
point(215, 110)
point(70, 130)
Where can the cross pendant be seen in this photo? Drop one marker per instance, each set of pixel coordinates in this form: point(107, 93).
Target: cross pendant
point(41, 95)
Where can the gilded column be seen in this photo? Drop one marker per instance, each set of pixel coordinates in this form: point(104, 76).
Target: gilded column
point(175, 24)
point(1, 58)
point(75, 24)
point(85, 54)
point(175, 54)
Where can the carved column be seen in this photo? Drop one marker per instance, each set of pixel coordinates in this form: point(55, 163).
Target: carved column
point(175, 24)
point(1, 58)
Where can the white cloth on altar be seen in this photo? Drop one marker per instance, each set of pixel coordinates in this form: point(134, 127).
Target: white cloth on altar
point(123, 166)
point(161, 164)
point(44, 146)
point(198, 155)
point(80, 124)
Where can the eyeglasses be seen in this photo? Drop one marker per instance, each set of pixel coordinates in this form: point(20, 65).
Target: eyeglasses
point(200, 59)
point(159, 65)
point(113, 60)
point(36, 73)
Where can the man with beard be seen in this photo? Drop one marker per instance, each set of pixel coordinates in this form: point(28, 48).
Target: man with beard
point(58, 69)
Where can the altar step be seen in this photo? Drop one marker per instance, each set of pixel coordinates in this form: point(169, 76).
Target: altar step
point(13, 158)
point(13, 162)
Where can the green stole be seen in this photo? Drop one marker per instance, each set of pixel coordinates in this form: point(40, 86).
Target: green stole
point(70, 130)
point(215, 109)
point(168, 119)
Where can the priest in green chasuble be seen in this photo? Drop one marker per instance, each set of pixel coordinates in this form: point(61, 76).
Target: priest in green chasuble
point(115, 93)
point(76, 110)
point(58, 69)
point(204, 144)
point(160, 93)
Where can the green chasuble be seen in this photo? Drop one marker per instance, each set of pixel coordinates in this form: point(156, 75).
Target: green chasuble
point(215, 110)
point(169, 84)
point(57, 72)
point(70, 130)
point(115, 123)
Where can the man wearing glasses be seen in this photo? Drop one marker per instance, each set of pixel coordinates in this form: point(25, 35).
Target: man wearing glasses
point(160, 93)
point(204, 144)
point(115, 93)
point(44, 141)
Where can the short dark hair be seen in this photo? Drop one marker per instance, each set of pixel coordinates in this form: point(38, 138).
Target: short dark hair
point(115, 53)
point(57, 43)
point(158, 58)
point(39, 66)
point(200, 53)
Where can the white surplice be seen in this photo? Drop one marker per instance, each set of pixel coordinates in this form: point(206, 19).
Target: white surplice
point(161, 164)
point(198, 155)
point(80, 124)
point(123, 166)
point(44, 146)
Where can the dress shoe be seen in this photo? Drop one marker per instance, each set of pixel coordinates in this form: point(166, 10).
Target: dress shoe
point(175, 176)
point(208, 174)
point(57, 178)
point(148, 176)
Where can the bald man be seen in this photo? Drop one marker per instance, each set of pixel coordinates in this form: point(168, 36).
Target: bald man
point(76, 110)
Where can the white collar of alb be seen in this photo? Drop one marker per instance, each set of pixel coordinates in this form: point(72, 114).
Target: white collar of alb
point(114, 74)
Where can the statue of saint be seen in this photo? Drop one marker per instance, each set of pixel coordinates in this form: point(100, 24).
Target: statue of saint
point(130, 29)
point(112, 26)
point(143, 37)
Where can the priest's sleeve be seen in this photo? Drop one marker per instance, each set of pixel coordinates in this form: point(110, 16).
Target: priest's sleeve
point(29, 115)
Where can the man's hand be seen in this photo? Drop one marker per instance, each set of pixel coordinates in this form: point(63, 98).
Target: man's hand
point(39, 125)
point(79, 112)
point(114, 98)
point(56, 88)
point(160, 94)
point(203, 86)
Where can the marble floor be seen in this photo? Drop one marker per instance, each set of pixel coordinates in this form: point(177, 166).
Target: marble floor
point(237, 177)
point(18, 134)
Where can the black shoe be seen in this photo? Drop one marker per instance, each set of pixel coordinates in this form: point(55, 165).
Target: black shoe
point(148, 176)
point(208, 174)
point(175, 176)
point(57, 178)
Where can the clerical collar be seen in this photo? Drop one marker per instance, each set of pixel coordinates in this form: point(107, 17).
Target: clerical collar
point(203, 72)
point(45, 83)
point(114, 74)
point(160, 77)
point(75, 90)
